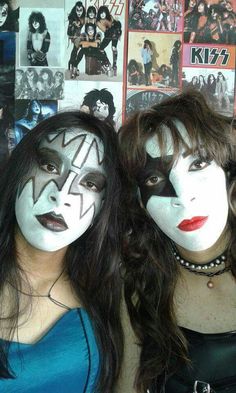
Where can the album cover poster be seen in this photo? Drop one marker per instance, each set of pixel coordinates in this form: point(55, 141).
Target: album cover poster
point(208, 21)
point(156, 15)
point(211, 70)
point(154, 60)
point(28, 113)
point(41, 40)
point(216, 84)
point(39, 83)
point(141, 99)
point(102, 99)
point(9, 15)
point(95, 40)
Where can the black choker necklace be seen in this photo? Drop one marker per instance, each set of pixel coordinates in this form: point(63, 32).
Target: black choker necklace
point(201, 269)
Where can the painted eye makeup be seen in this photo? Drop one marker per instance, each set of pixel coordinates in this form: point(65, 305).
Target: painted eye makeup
point(49, 162)
point(199, 164)
point(93, 181)
point(49, 167)
point(153, 180)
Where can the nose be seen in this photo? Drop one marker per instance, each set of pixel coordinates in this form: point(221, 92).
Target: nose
point(185, 190)
point(61, 197)
point(180, 202)
point(57, 200)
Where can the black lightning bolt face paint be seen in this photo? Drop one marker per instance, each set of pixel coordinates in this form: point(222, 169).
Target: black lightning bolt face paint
point(62, 194)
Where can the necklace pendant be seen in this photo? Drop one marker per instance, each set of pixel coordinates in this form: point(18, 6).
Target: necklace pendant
point(210, 284)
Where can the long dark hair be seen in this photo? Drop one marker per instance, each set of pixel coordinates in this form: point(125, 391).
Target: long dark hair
point(102, 9)
point(37, 17)
point(150, 269)
point(92, 261)
point(73, 15)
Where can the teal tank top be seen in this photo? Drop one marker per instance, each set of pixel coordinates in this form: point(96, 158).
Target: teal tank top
point(64, 360)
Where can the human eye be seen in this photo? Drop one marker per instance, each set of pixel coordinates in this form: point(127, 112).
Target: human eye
point(48, 162)
point(95, 182)
point(199, 164)
point(49, 167)
point(152, 180)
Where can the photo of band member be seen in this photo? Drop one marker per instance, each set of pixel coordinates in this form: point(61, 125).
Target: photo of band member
point(95, 36)
point(39, 83)
point(154, 61)
point(216, 84)
point(210, 22)
point(103, 99)
point(41, 39)
point(155, 15)
point(28, 113)
point(9, 15)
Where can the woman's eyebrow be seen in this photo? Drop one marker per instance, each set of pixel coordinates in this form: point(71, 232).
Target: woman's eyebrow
point(46, 152)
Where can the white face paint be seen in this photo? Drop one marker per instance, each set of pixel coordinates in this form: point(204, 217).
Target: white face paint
point(101, 110)
point(3, 14)
point(79, 11)
point(103, 15)
point(35, 107)
point(36, 24)
point(90, 31)
point(91, 15)
point(189, 201)
point(62, 195)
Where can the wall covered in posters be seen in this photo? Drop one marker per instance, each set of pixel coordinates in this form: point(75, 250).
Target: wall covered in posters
point(110, 58)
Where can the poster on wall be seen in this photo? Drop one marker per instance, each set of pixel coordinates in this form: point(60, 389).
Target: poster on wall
point(102, 99)
point(39, 83)
point(137, 100)
point(28, 113)
point(113, 57)
point(210, 69)
point(95, 46)
point(156, 15)
point(154, 59)
point(40, 38)
point(210, 22)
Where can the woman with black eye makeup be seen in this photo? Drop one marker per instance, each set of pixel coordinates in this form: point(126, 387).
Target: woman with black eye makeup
point(179, 160)
point(60, 285)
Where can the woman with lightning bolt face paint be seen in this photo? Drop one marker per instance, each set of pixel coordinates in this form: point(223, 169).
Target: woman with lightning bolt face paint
point(62, 195)
point(60, 280)
point(179, 160)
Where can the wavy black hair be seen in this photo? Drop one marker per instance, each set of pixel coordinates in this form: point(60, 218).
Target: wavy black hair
point(92, 261)
point(72, 15)
point(37, 17)
point(102, 9)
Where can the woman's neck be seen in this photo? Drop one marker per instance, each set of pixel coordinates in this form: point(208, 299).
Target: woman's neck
point(210, 253)
point(38, 264)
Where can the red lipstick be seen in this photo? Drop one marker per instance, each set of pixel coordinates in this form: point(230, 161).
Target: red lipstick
point(192, 224)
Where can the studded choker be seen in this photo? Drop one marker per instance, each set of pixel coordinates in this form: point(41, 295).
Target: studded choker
point(201, 269)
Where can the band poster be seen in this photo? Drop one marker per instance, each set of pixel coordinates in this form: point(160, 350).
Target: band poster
point(110, 58)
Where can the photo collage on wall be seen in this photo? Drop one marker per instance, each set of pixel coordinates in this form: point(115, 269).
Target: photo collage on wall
point(174, 44)
point(110, 58)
